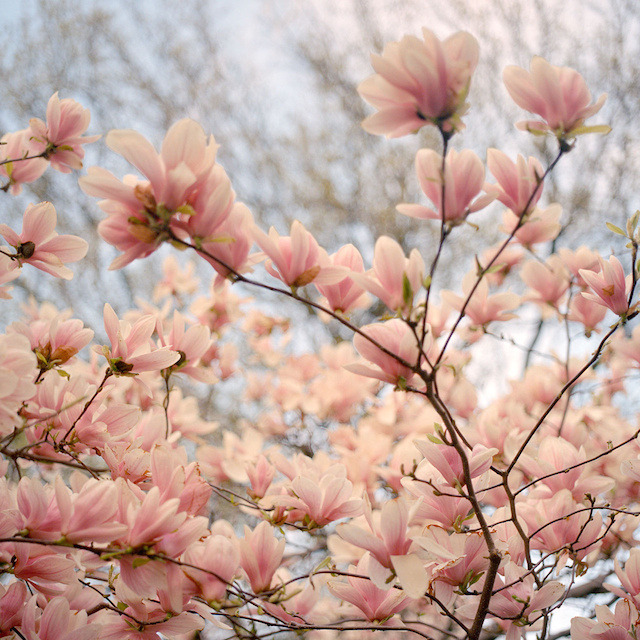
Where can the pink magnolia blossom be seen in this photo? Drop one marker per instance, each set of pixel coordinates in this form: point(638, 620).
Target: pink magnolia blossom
point(561, 465)
point(260, 474)
point(219, 559)
point(453, 559)
point(321, 501)
point(540, 225)
point(619, 625)
point(344, 295)
point(548, 281)
point(260, 555)
point(629, 577)
point(590, 315)
point(558, 94)
point(55, 341)
point(132, 349)
point(521, 604)
point(150, 518)
point(391, 274)
point(178, 478)
point(519, 185)
point(463, 181)
point(560, 525)
point(18, 369)
point(176, 281)
point(9, 271)
point(61, 139)
point(90, 514)
point(420, 82)
point(293, 259)
point(57, 621)
point(609, 288)
point(447, 461)
point(40, 245)
point(184, 192)
point(482, 308)
point(395, 336)
point(19, 144)
point(377, 605)
point(387, 535)
point(228, 250)
point(12, 602)
point(191, 343)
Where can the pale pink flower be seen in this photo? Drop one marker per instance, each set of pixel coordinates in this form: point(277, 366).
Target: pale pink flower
point(149, 519)
point(519, 185)
point(175, 282)
point(581, 258)
point(590, 315)
point(558, 94)
point(419, 82)
point(61, 137)
point(181, 194)
point(12, 602)
point(629, 577)
point(609, 288)
point(515, 606)
point(40, 245)
point(344, 295)
point(55, 341)
point(18, 369)
point(395, 336)
point(260, 555)
point(321, 501)
point(18, 145)
point(57, 621)
point(561, 525)
point(178, 478)
point(132, 350)
point(260, 474)
point(219, 559)
point(503, 265)
point(9, 271)
point(620, 625)
point(482, 308)
point(38, 510)
point(387, 535)
point(395, 279)
point(454, 559)
point(90, 514)
point(540, 225)
point(374, 603)
point(437, 505)
point(447, 461)
point(229, 248)
point(549, 281)
point(293, 259)
point(191, 343)
point(463, 182)
point(562, 466)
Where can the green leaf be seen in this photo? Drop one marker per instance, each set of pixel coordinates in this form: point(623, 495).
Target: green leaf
point(407, 291)
point(617, 230)
point(139, 562)
point(597, 128)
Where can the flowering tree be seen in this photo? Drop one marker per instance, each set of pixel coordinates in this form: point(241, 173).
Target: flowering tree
point(376, 489)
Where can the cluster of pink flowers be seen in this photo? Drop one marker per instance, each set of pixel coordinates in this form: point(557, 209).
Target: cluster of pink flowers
point(25, 155)
point(379, 484)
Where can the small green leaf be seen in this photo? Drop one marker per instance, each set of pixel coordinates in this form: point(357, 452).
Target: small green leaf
point(597, 128)
point(617, 230)
point(139, 562)
point(407, 291)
